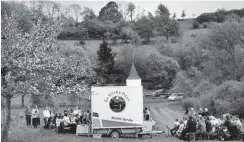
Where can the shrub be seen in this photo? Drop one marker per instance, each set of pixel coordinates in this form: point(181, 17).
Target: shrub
point(70, 33)
point(202, 89)
point(195, 25)
point(82, 43)
point(193, 35)
point(222, 107)
point(159, 69)
point(182, 84)
point(173, 40)
point(207, 17)
point(205, 25)
point(232, 93)
point(41, 100)
point(126, 34)
point(135, 38)
point(190, 102)
point(165, 49)
point(114, 37)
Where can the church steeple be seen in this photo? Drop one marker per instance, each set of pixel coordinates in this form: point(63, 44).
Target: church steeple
point(133, 78)
point(133, 73)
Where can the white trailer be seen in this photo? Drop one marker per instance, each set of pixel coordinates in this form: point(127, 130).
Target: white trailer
point(117, 110)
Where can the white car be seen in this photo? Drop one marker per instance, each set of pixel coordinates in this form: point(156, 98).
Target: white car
point(175, 97)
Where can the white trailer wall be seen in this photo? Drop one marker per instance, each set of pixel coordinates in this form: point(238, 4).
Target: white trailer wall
point(104, 117)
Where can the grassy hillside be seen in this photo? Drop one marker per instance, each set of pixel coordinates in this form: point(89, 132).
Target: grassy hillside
point(186, 24)
point(140, 50)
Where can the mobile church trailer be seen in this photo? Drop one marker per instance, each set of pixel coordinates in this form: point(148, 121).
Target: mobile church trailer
point(118, 109)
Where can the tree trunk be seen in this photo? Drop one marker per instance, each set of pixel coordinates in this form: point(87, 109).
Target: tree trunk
point(23, 101)
point(7, 122)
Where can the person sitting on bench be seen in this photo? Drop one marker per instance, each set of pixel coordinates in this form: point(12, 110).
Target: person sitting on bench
point(68, 123)
point(50, 122)
point(191, 127)
point(231, 128)
point(180, 129)
point(176, 127)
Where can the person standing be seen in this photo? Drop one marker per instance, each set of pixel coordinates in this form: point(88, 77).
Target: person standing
point(206, 112)
point(35, 116)
point(66, 111)
point(46, 115)
point(28, 116)
point(238, 123)
point(192, 113)
point(209, 127)
point(49, 109)
point(147, 114)
point(86, 117)
point(76, 110)
point(144, 113)
point(201, 112)
point(186, 113)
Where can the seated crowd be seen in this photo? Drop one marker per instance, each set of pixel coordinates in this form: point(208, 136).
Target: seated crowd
point(205, 125)
point(69, 118)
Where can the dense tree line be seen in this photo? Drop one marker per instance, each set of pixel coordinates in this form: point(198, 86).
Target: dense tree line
point(218, 16)
point(110, 24)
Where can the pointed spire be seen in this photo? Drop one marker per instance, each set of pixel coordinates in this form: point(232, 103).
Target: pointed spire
point(133, 73)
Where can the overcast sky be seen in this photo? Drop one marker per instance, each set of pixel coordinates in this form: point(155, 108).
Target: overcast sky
point(190, 7)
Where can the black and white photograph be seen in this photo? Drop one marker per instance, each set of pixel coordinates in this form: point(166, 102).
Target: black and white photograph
point(126, 71)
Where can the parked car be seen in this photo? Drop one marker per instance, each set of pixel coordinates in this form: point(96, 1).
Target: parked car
point(161, 94)
point(175, 97)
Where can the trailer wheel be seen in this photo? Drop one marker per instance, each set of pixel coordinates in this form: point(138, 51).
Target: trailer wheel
point(114, 134)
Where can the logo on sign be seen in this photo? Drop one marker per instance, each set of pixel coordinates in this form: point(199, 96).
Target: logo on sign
point(117, 104)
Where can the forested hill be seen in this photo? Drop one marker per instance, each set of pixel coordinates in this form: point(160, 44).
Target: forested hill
point(219, 15)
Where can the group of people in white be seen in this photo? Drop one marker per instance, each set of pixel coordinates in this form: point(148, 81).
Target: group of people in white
point(205, 125)
point(68, 118)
